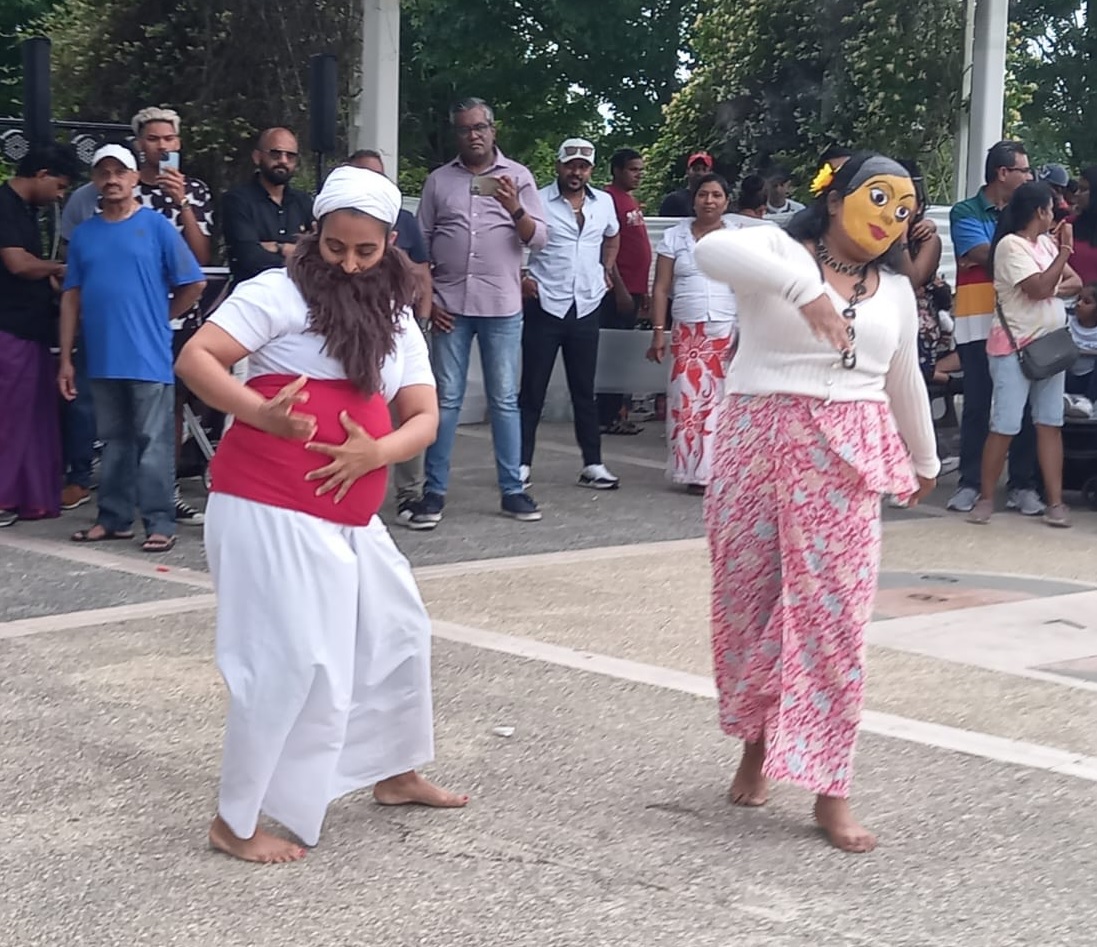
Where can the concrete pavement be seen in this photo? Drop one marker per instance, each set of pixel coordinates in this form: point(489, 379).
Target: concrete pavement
point(601, 820)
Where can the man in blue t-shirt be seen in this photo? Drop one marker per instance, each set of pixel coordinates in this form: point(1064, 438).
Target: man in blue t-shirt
point(129, 274)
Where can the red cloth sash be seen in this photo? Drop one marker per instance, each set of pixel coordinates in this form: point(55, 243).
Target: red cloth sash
point(254, 465)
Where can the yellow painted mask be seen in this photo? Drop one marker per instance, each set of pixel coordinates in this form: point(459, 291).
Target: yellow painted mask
point(877, 208)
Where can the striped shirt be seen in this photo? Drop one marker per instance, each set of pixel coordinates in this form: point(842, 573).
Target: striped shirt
point(972, 223)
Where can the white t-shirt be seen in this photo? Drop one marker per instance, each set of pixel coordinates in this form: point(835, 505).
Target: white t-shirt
point(268, 316)
point(1015, 260)
point(696, 297)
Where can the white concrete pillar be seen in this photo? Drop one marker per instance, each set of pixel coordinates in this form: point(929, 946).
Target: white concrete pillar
point(988, 86)
point(378, 124)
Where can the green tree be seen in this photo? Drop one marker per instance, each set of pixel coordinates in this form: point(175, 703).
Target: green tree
point(779, 80)
point(15, 16)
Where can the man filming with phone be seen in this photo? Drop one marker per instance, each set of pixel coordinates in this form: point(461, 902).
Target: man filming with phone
point(477, 213)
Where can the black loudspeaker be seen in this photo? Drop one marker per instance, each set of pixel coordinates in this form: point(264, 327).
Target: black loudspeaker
point(36, 89)
point(323, 103)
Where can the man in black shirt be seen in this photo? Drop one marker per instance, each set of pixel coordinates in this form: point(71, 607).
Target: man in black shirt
point(680, 203)
point(30, 438)
point(263, 218)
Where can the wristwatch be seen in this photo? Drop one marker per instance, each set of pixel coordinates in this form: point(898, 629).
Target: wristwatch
point(518, 214)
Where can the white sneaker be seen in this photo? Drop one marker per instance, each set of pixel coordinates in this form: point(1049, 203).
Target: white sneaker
point(525, 473)
point(949, 465)
point(598, 477)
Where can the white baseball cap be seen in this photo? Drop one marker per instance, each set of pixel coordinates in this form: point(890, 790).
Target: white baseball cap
point(120, 152)
point(576, 148)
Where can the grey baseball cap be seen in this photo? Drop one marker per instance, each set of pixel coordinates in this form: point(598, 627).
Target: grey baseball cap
point(1054, 174)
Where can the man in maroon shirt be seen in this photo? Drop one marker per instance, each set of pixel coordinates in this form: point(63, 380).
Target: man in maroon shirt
point(630, 299)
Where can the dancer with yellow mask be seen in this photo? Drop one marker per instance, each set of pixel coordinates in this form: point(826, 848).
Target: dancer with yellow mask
point(823, 393)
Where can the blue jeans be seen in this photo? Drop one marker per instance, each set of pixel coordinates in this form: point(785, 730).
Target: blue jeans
point(78, 425)
point(136, 421)
point(975, 425)
point(500, 340)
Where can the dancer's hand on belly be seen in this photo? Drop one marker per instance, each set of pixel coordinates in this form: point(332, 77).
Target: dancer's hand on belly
point(354, 458)
point(276, 415)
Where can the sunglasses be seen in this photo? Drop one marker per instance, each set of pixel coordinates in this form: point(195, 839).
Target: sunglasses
point(578, 151)
point(276, 153)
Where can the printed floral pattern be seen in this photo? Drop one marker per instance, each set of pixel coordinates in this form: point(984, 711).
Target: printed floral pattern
point(701, 353)
point(793, 521)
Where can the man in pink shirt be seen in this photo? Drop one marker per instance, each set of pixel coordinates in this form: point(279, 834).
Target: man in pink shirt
point(477, 213)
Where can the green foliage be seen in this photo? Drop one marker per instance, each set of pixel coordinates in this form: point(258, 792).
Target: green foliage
point(779, 80)
point(15, 15)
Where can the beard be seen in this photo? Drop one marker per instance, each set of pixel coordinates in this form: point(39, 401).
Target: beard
point(276, 176)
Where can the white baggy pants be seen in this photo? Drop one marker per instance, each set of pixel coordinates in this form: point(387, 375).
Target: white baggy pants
point(324, 645)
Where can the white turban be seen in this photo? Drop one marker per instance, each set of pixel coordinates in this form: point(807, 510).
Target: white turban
point(359, 189)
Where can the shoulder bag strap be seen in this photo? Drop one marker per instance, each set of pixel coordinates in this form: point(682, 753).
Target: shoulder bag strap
point(1005, 325)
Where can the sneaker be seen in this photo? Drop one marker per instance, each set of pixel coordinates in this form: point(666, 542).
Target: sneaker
point(429, 509)
point(896, 503)
point(981, 513)
point(8, 518)
point(949, 465)
point(963, 500)
point(408, 514)
point(526, 475)
point(74, 496)
point(1057, 515)
point(185, 513)
point(1026, 502)
point(598, 477)
point(521, 507)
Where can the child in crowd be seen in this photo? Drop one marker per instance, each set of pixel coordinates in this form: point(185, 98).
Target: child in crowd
point(1082, 377)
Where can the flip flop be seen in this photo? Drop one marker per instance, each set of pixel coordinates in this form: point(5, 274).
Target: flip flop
point(84, 536)
point(158, 545)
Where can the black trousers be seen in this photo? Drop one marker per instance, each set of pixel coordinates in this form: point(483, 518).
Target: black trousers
point(543, 335)
point(611, 317)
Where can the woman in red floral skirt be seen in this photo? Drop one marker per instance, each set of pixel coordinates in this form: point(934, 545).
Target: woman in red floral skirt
point(703, 340)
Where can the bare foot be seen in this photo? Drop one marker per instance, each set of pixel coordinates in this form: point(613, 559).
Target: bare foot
point(411, 789)
point(750, 787)
point(843, 831)
point(262, 847)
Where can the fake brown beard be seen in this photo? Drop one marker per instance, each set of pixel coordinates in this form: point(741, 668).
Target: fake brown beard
point(357, 314)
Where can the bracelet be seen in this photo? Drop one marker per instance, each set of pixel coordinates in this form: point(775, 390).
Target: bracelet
point(658, 328)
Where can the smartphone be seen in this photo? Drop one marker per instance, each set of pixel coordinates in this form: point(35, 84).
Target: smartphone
point(484, 185)
point(170, 161)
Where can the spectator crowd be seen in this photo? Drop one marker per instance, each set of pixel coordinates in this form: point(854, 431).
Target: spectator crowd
point(90, 327)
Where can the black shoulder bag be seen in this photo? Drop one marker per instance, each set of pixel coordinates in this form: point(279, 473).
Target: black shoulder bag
point(1045, 356)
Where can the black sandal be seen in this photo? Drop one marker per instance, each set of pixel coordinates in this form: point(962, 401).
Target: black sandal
point(108, 535)
point(167, 544)
point(622, 427)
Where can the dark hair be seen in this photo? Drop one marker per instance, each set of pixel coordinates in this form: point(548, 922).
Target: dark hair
point(779, 176)
point(622, 156)
point(356, 313)
point(834, 151)
point(812, 223)
point(752, 192)
point(1018, 213)
point(919, 180)
point(362, 153)
point(56, 159)
point(711, 178)
point(1002, 155)
point(1085, 227)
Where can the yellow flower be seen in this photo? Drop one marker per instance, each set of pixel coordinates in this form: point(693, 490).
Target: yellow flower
point(822, 180)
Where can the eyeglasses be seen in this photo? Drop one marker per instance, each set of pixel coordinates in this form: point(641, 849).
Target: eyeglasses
point(463, 131)
point(578, 151)
point(1027, 172)
point(276, 153)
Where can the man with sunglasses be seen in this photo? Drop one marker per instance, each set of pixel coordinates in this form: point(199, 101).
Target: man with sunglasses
point(972, 224)
point(263, 218)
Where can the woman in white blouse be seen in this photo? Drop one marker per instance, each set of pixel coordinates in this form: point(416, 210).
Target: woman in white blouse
point(825, 381)
point(702, 341)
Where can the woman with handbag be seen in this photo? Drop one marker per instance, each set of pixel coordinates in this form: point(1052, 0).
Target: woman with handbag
point(1029, 347)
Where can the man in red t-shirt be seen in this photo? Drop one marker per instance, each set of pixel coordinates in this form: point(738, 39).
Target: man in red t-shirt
point(630, 299)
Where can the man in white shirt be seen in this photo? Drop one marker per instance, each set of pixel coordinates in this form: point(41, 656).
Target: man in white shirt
point(779, 187)
point(561, 297)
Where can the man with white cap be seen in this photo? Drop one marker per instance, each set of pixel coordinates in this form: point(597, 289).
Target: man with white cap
point(567, 281)
point(129, 274)
point(322, 638)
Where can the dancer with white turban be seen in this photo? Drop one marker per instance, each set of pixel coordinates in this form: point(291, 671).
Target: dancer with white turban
point(322, 638)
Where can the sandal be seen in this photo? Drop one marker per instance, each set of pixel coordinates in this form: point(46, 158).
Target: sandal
point(108, 535)
point(622, 427)
point(158, 544)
